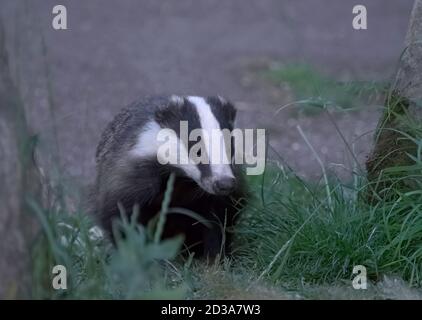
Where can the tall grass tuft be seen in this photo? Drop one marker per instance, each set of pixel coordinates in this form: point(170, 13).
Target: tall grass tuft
point(134, 268)
point(303, 235)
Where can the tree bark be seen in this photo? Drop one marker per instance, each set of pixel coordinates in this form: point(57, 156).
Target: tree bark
point(402, 113)
point(20, 182)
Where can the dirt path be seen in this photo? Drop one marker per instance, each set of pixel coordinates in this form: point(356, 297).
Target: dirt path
point(113, 53)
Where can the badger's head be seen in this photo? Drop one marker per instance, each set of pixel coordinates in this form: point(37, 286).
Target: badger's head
point(192, 137)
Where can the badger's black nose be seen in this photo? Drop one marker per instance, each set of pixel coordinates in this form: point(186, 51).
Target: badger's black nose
point(224, 185)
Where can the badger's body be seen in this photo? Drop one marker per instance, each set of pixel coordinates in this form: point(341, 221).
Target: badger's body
point(129, 171)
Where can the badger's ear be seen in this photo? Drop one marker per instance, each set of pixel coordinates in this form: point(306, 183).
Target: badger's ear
point(169, 111)
point(176, 100)
point(229, 108)
point(232, 110)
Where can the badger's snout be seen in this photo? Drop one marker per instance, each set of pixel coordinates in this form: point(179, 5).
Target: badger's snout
point(219, 186)
point(224, 185)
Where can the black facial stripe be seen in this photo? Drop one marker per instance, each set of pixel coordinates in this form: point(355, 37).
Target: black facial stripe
point(204, 168)
point(170, 117)
point(224, 113)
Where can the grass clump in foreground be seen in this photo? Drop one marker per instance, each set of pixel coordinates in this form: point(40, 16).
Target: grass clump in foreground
point(135, 268)
point(96, 269)
point(294, 237)
point(298, 233)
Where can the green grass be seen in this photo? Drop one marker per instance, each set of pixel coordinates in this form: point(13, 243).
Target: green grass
point(300, 234)
point(297, 236)
point(315, 90)
point(294, 239)
point(132, 269)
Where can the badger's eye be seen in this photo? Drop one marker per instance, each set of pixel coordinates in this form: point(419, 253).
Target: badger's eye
point(232, 146)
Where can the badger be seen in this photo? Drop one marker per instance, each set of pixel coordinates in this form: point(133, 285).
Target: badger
point(130, 174)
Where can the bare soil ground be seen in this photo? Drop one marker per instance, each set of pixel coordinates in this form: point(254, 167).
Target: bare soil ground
point(114, 52)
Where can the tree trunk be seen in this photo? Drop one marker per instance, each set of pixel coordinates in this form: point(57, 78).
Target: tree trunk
point(20, 182)
point(402, 115)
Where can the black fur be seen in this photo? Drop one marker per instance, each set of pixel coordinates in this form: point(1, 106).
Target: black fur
point(143, 181)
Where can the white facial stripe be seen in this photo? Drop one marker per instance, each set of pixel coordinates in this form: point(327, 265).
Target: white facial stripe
point(148, 145)
point(212, 130)
point(189, 168)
